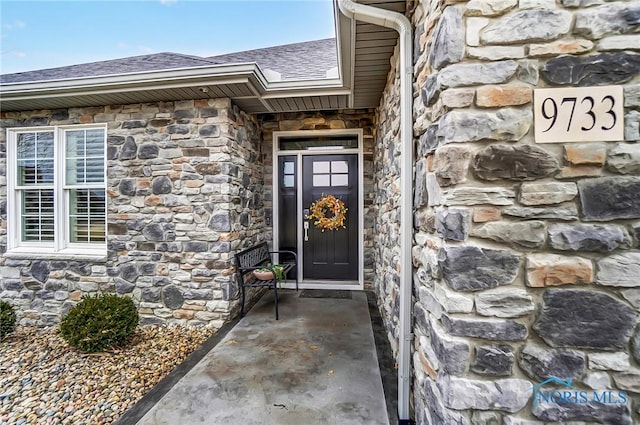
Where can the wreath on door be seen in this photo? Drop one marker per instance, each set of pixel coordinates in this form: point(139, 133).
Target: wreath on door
point(328, 212)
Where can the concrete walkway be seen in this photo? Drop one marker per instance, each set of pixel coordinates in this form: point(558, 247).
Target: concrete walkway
point(316, 365)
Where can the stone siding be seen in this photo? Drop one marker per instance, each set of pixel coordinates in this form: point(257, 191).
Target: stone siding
point(185, 191)
point(387, 205)
point(526, 255)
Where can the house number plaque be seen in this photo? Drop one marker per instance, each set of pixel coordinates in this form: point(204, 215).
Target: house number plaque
point(582, 114)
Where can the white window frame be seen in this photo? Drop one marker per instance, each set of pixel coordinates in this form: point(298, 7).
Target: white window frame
point(61, 244)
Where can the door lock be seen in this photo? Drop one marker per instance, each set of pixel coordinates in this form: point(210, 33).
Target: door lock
point(306, 231)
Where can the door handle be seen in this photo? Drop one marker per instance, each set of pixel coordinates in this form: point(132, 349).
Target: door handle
point(306, 231)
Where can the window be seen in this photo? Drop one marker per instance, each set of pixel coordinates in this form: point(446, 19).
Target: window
point(330, 173)
point(56, 189)
point(317, 143)
point(289, 174)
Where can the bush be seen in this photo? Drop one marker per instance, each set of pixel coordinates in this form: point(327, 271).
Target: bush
point(7, 319)
point(100, 322)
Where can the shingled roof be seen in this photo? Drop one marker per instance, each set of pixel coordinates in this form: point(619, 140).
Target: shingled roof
point(298, 61)
point(156, 61)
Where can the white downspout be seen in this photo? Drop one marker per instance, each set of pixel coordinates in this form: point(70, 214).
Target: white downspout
point(401, 24)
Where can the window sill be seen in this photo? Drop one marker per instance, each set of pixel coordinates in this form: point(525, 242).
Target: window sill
point(68, 255)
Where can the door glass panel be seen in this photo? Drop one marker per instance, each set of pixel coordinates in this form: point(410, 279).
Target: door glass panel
point(321, 180)
point(288, 174)
point(288, 181)
point(340, 180)
point(339, 167)
point(289, 167)
point(321, 167)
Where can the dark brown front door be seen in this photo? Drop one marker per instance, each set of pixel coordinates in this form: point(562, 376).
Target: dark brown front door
point(332, 254)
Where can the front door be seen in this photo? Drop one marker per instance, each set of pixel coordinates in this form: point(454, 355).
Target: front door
point(330, 254)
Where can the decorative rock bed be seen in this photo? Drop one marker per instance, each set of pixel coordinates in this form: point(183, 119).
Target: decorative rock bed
point(44, 381)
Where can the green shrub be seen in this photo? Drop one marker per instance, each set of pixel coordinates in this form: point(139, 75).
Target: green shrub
point(100, 322)
point(7, 319)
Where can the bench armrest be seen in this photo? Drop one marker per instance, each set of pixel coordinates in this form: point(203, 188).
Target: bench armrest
point(284, 251)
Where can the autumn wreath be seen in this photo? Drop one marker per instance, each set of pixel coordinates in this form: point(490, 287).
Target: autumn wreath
point(331, 205)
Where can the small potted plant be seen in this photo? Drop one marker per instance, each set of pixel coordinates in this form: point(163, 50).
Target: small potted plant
point(269, 272)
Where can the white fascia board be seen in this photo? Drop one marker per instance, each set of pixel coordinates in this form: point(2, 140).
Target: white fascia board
point(327, 87)
point(167, 79)
point(137, 80)
point(109, 89)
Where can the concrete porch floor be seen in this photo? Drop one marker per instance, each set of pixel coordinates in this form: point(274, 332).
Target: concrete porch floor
point(318, 364)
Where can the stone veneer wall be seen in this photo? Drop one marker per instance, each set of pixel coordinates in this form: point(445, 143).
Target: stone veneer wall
point(527, 256)
point(184, 192)
point(387, 202)
point(327, 120)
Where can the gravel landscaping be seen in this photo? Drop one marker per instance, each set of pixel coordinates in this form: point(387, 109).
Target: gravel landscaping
point(44, 381)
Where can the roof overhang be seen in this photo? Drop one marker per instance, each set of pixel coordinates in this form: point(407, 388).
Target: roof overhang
point(363, 64)
point(244, 83)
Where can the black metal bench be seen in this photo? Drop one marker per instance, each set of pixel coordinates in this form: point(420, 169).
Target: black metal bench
point(258, 257)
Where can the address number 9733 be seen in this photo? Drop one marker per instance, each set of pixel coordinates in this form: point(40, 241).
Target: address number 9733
point(581, 114)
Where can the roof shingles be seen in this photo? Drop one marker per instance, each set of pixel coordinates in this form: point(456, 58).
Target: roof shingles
point(298, 61)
